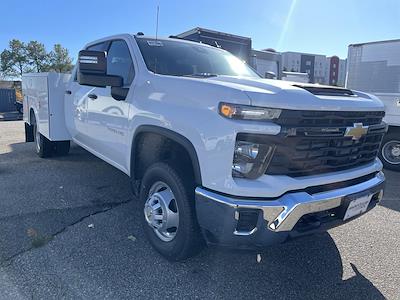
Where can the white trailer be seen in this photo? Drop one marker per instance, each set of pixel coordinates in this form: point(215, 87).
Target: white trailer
point(375, 68)
point(390, 151)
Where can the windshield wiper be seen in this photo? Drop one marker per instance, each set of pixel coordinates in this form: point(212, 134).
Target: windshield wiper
point(200, 75)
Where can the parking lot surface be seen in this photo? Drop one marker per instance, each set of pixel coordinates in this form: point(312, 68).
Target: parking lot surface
point(70, 228)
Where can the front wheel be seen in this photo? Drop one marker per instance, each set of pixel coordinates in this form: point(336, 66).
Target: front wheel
point(169, 218)
point(390, 152)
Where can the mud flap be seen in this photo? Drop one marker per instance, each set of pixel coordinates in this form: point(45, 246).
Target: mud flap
point(28, 133)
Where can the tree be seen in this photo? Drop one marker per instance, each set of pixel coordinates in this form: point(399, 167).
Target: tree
point(6, 64)
point(37, 56)
point(14, 60)
point(60, 60)
point(19, 58)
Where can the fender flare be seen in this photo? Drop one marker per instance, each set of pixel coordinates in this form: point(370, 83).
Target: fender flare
point(32, 109)
point(176, 137)
point(29, 126)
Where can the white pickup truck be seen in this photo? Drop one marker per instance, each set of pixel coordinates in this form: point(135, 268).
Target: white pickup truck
point(215, 153)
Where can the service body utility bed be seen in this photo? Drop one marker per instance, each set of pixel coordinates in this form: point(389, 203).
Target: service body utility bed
point(44, 93)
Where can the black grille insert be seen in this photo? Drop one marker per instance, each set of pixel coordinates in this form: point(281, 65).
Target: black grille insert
point(302, 155)
point(329, 118)
point(315, 142)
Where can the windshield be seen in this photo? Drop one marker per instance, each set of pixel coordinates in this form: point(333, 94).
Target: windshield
point(178, 58)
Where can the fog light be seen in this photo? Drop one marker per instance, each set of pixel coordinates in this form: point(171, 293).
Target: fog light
point(251, 159)
point(247, 149)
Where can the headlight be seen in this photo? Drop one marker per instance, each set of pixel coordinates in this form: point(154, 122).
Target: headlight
point(251, 159)
point(246, 112)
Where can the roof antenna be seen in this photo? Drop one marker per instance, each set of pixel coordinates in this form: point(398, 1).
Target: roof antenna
point(155, 58)
point(158, 10)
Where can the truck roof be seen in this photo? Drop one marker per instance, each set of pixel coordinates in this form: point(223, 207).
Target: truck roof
point(116, 36)
point(173, 38)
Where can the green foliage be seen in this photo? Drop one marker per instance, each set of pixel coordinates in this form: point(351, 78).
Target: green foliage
point(6, 65)
point(21, 58)
point(14, 59)
point(60, 60)
point(37, 56)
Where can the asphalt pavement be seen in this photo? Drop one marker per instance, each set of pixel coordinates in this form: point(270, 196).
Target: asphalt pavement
point(70, 229)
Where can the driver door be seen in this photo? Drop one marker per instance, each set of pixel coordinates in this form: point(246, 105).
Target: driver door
point(107, 118)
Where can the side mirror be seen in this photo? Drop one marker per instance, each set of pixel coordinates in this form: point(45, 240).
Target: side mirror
point(92, 70)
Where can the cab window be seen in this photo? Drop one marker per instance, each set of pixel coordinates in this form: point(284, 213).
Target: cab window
point(119, 61)
point(98, 47)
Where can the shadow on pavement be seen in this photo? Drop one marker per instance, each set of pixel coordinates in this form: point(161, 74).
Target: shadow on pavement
point(391, 198)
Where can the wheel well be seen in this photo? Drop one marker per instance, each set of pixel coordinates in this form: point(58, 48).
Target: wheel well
point(152, 147)
point(394, 129)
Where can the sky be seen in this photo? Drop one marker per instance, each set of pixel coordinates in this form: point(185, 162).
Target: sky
point(312, 26)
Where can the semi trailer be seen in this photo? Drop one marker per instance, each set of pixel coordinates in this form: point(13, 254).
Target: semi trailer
point(374, 68)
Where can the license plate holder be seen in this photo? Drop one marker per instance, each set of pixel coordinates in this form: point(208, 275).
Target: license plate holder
point(357, 204)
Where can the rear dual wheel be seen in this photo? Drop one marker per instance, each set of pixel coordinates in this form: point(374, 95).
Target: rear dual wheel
point(46, 148)
point(43, 147)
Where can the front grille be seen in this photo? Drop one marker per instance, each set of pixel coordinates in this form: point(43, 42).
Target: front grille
point(328, 118)
point(314, 142)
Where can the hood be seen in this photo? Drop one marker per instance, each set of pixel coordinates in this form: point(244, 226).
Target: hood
point(298, 96)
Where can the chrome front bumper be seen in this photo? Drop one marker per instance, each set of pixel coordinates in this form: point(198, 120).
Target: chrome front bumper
point(278, 215)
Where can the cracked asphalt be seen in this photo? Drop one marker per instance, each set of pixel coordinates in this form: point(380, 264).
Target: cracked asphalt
point(70, 229)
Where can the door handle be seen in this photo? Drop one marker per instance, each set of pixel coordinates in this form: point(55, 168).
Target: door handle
point(68, 92)
point(92, 96)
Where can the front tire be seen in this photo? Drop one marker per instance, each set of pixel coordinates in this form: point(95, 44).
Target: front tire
point(390, 151)
point(169, 218)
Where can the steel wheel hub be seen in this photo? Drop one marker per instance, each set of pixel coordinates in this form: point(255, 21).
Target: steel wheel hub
point(161, 211)
point(391, 152)
point(396, 151)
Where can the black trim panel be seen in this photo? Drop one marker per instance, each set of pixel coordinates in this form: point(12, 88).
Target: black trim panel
point(180, 139)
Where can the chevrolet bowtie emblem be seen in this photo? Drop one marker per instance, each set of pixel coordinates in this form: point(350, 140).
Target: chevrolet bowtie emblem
point(357, 131)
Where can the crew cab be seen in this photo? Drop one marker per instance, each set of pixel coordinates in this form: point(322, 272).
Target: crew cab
point(215, 153)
